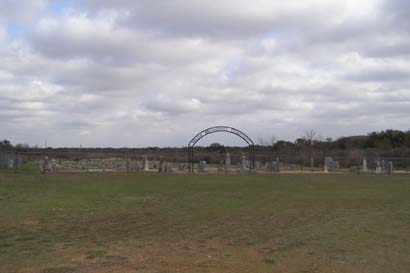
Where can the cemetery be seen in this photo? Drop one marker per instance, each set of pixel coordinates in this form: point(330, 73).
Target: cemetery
point(239, 161)
point(230, 210)
point(205, 136)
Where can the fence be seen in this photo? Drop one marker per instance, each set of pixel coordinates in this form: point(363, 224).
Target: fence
point(125, 162)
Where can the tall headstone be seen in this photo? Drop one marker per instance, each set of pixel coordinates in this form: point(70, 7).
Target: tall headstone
point(161, 165)
point(227, 160)
point(103, 166)
point(10, 164)
point(44, 165)
point(146, 164)
point(53, 165)
point(378, 166)
point(364, 168)
point(389, 168)
point(243, 162)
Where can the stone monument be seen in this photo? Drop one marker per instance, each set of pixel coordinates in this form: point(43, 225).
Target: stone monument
point(44, 165)
point(146, 164)
point(202, 166)
point(389, 168)
point(243, 163)
point(378, 166)
point(53, 165)
point(330, 165)
point(10, 164)
point(161, 165)
point(364, 168)
point(227, 160)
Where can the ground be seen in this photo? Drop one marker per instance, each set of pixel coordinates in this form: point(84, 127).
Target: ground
point(204, 223)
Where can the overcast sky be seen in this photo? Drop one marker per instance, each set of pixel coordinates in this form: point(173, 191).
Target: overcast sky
point(154, 73)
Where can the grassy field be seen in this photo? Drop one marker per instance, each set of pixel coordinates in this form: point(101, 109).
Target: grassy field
point(179, 223)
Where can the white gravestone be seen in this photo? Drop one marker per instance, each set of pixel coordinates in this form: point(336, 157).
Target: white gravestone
point(146, 164)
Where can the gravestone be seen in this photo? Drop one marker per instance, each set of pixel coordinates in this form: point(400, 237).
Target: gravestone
point(202, 166)
point(272, 166)
point(389, 168)
point(168, 168)
point(279, 165)
point(10, 164)
point(331, 165)
point(139, 165)
point(146, 164)
point(161, 165)
point(44, 165)
point(364, 168)
point(103, 166)
point(243, 163)
point(257, 164)
point(378, 166)
point(227, 160)
point(181, 167)
point(53, 165)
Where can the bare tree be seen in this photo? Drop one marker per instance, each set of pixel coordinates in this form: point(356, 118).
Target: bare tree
point(269, 141)
point(261, 141)
point(272, 140)
point(310, 137)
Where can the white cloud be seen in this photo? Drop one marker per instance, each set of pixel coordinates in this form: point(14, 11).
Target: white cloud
point(137, 73)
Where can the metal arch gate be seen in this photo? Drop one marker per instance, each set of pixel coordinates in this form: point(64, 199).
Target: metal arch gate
point(224, 129)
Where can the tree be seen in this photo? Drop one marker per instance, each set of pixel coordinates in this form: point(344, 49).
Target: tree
point(5, 144)
point(269, 141)
point(261, 141)
point(310, 137)
point(216, 147)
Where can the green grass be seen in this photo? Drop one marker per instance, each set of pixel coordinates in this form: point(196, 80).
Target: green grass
point(204, 223)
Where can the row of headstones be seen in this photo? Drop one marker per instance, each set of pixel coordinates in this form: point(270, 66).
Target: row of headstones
point(271, 166)
point(380, 166)
point(162, 166)
point(165, 167)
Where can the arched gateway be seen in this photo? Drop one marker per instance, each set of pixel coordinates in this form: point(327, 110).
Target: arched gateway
point(223, 129)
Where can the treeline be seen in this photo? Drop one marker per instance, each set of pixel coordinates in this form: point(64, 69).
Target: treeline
point(388, 139)
point(383, 140)
point(388, 143)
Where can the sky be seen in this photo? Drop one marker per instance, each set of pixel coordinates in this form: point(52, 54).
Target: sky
point(136, 73)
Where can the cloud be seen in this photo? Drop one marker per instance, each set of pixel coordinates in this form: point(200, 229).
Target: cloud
point(147, 73)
